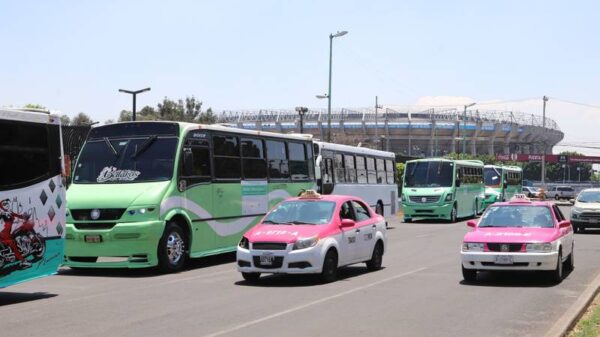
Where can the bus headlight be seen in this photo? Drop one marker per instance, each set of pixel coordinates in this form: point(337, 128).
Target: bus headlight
point(306, 243)
point(472, 247)
point(449, 197)
point(539, 247)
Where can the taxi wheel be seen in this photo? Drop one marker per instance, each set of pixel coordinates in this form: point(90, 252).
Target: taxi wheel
point(571, 260)
point(557, 274)
point(251, 277)
point(377, 258)
point(329, 273)
point(469, 275)
point(171, 249)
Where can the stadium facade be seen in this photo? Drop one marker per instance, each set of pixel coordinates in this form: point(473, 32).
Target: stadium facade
point(424, 133)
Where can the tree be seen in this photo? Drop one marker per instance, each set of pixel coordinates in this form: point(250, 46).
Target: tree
point(35, 106)
point(399, 175)
point(109, 121)
point(207, 117)
point(65, 120)
point(124, 116)
point(81, 119)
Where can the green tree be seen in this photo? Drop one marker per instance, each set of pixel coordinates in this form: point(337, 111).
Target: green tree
point(207, 117)
point(35, 106)
point(400, 175)
point(65, 120)
point(124, 116)
point(81, 119)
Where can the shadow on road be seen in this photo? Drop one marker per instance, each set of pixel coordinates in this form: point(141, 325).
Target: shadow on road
point(303, 280)
point(510, 279)
point(8, 298)
point(192, 264)
point(589, 231)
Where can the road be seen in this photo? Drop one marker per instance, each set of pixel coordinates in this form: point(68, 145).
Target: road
point(419, 293)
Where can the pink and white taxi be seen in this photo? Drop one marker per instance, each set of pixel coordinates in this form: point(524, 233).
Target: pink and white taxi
point(519, 235)
point(313, 234)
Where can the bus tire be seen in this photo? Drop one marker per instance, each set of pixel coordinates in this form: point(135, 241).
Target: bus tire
point(453, 214)
point(379, 208)
point(171, 249)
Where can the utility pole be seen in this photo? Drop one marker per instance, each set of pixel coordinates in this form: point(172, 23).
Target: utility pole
point(545, 99)
point(377, 106)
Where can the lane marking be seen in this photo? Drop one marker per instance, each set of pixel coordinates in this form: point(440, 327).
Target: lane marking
point(309, 304)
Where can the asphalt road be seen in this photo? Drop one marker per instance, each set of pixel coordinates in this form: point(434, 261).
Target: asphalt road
point(419, 293)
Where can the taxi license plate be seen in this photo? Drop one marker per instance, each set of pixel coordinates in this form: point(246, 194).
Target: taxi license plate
point(503, 259)
point(93, 238)
point(266, 260)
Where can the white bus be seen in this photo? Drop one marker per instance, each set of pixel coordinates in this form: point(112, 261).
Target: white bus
point(32, 195)
point(358, 171)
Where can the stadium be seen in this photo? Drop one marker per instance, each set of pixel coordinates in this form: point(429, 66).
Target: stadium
point(414, 133)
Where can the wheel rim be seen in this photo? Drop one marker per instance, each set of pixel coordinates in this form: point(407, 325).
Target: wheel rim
point(175, 247)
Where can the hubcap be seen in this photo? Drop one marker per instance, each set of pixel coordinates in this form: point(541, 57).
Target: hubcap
point(175, 247)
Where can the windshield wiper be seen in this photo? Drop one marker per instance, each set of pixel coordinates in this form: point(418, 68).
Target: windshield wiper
point(296, 222)
point(110, 146)
point(145, 145)
point(274, 222)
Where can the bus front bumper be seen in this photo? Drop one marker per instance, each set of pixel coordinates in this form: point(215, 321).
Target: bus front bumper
point(126, 245)
point(433, 211)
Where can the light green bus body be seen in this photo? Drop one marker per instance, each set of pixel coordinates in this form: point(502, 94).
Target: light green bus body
point(446, 189)
point(212, 212)
point(502, 183)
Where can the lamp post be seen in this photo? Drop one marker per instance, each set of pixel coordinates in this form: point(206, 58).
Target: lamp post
point(301, 111)
point(579, 173)
point(377, 106)
point(464, 144)
point(134, 93)
point(564, 172)
point(331, 36)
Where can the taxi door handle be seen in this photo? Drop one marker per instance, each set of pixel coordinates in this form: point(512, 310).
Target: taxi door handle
point(357, 231)
point(374, 226)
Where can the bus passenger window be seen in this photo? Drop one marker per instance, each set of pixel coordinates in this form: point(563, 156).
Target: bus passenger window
point(298, 163)
point(277, 160)
point(226, 157)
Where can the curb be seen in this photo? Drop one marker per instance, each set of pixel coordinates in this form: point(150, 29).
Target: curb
point(568, 320)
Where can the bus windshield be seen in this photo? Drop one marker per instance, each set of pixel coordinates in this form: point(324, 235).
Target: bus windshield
point(429, 174)
point(492, 176)
point(126, 160)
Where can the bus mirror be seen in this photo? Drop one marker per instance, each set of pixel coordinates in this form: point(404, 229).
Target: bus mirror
point(188, 163)
point(457, 182)
point(182, 185)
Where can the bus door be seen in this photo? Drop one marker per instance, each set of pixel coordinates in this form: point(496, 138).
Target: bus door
point(327, 176)
point(196, 188)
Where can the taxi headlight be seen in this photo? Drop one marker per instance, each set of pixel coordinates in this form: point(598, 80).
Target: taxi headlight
point(472, 247)
point(539, 247)
point(244, 243)
point(449, 197)
point(303, 243)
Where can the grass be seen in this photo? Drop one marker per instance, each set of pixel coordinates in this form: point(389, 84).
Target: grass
point(589, 324)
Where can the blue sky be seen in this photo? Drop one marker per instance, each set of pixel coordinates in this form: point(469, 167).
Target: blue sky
point(73, 56)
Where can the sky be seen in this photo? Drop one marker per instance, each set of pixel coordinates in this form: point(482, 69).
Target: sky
point(73, 56)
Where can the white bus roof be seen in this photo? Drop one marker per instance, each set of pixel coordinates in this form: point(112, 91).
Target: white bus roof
point(505, 167)
point(26, 115)
point(463, 162)
point(354, 149)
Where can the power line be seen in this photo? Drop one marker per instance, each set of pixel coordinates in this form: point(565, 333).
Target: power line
point(576, 103)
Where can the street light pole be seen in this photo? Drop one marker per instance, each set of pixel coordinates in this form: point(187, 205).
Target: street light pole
point(331, 36)
point(545, 99)
point(301, 111)
point(377, 106)
point(464, 140)
point(134, 93)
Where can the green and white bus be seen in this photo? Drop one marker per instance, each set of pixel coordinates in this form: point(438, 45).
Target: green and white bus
point(438, 188)
point(156, 193)
point(501, 182)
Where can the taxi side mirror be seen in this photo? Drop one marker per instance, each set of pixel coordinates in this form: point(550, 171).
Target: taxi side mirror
point(347, 223)
point(564, 224)
point(472, 223)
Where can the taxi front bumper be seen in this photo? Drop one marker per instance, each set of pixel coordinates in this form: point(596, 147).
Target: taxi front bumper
point(288, 261)
point(500, 261)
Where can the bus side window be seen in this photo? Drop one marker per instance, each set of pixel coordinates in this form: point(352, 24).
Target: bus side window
point(195, 163)
point(371, 173)
point(350, 168)
point(361, 171)
point(389, 169)
point(380, 171)
point(278, 166)
point(298, 163)
point(226, 157)
point(254, 165)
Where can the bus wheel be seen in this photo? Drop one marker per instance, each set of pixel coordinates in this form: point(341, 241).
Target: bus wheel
point(453, 214)
point(171, 249)
point(379, 208)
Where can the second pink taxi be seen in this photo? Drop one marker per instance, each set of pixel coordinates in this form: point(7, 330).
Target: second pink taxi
point(519, 235)
point(313, 234)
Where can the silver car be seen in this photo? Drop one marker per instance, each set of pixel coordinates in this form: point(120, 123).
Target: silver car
point(586, 210)
point(561, 192)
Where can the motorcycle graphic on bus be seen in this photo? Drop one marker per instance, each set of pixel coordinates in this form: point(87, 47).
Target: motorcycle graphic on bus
point(19, 242)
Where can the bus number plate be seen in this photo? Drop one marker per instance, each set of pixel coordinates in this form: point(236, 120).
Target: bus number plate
point(93, 238)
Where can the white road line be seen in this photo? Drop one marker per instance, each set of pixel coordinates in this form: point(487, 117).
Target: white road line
point(303, 306)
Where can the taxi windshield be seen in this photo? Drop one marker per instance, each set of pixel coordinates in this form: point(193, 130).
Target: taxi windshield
point(301, 212)
point(517, 216)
